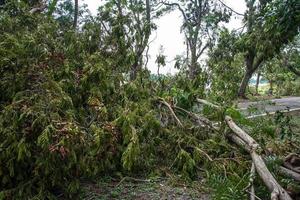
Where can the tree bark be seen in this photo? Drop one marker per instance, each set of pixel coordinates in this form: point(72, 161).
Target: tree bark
point(193, 64)
point(244, 84)
point(75, 14)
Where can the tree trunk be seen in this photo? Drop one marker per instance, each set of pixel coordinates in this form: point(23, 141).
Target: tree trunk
point(134, 70)
point(257, 83)
point(244, 84)
point(193, 65)
point(75, 14)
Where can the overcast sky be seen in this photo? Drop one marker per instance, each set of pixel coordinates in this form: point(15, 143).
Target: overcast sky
point(168, 33)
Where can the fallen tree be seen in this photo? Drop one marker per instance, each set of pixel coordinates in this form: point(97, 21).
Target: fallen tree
point(277, 192)
point(244, 140)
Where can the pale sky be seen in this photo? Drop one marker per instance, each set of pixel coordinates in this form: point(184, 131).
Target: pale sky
point(168, 33)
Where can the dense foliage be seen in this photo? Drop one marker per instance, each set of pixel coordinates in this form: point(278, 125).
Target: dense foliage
point(76, 102)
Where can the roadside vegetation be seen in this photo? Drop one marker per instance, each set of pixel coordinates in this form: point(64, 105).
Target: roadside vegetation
point(81, 117)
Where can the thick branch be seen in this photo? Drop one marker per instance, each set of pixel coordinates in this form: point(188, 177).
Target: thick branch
point(289, 173)
point(241, 138)
point(242, 134)
point(257, 63)
point(171, 110)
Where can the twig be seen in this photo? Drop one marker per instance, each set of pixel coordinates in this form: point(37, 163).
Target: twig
point(252, 176)
point(237, 13)
point(255, 197)
point(203, 152)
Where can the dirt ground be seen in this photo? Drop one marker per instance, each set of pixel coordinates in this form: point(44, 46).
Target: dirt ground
point(138, 189)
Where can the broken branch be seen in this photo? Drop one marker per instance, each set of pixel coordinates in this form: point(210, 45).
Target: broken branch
point(171, 110)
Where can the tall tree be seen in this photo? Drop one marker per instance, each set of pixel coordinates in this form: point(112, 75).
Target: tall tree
point(270, 25)
point(141, 41)
point(200, 24)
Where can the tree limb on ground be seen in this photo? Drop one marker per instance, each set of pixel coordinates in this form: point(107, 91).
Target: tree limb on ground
point(244, 140)
point(277, 192)
point(289, 173)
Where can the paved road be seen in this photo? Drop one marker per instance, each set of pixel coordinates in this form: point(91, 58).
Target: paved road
point(271, 105)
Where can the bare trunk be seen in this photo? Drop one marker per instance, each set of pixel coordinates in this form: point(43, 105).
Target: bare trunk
point(75, 14)
point(257, 83)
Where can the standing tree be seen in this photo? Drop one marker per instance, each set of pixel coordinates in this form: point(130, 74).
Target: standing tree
point(201, 19)
point(270, 25)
